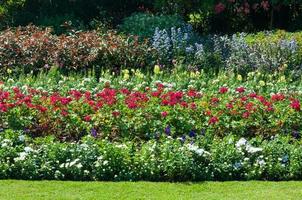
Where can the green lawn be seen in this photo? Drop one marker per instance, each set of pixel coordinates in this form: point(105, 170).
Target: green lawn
point(144, 190)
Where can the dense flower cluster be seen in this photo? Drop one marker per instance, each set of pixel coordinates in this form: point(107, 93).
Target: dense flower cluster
point(119, 111)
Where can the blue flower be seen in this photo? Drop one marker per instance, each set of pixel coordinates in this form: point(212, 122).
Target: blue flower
point(192, 134)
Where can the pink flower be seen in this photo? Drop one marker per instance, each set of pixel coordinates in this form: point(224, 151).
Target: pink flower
point(219, 8)
point(164, 114)
point(246, 115)
point(265, 5)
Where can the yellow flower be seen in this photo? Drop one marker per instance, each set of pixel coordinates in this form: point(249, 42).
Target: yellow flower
point(251, 74)
point(282, 79)
point(126, 76)
point(204, 104)
point(126, 71)
point(239, 77)
point(156, 69)
point(9, 71)
point(261, 83)
point(139, 74)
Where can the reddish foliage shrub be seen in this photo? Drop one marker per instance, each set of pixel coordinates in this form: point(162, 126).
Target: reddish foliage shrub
point(30, 48)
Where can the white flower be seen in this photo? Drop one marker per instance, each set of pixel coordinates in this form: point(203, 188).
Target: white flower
point(21, 138)
point(4, 145)
point(74, 162)
point(251, 149)
point(105, 162)
point(196, 149)
point(22, 156)
point(237, 165)
point(84, 146)
point(261, 162)
point(79, 166)
point(28, 149)
point(241, 142)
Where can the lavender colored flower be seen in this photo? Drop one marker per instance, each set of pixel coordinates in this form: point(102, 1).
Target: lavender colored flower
point(26, 130)
point(94, 133)
point(296, 134)
point(168, 130)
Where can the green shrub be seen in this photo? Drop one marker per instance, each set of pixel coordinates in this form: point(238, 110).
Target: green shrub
point(61, 24)
point(168, 159)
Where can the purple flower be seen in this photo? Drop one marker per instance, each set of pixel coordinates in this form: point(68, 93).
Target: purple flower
point(168, 130)
point(296, 134)
point(26, 130)
point(94, 133)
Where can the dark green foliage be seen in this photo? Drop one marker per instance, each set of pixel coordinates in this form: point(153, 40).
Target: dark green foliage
point(144, 24)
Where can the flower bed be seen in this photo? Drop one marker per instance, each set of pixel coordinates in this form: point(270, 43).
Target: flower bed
point(155, 109)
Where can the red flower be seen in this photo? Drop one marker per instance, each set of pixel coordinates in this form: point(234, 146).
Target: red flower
point(3, 107)
point(184, 104)
point(229, 106)
point(249, 106)
point(76, 94)
point(125, 91)
point(193, 105)
point(64, 113)
point(213, 120)
point(240, 89)
point(192, 93)
point(41, 108)
point(214, 100)
point(223, 90)
point(65, 100)
point(87, 95)
point(87, 118)
point(295, 104)
point(253, 95)
point(278, 97)
point(115, 113)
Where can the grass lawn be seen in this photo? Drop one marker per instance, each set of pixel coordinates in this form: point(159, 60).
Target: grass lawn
point(54, 190)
